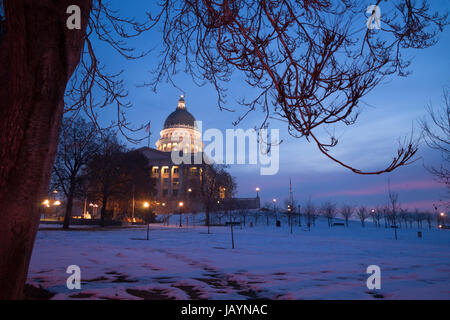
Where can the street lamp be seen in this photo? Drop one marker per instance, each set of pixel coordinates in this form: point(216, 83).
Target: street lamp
point(94, 208)
point(257, 191)
point(180, 206)
point(146, 205)
point(45, 204)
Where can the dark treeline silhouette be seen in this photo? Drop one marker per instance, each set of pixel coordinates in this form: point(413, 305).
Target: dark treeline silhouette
point(94, 165)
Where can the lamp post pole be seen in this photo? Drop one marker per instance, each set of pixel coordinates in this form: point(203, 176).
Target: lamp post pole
point(274, 208)
point(133, 206)
point(146, 207)
point(180, 206)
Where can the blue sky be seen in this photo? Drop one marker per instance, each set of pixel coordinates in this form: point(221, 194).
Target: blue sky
point(389, 112)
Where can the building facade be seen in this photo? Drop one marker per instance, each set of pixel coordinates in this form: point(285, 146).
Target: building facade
point(181, 182)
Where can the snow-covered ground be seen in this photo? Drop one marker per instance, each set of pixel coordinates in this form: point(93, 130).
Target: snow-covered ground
point(268, 262)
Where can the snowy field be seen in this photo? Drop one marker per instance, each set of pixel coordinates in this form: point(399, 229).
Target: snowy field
point(268, 262)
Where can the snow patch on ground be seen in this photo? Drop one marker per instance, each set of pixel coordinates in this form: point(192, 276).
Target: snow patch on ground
point(268, 262)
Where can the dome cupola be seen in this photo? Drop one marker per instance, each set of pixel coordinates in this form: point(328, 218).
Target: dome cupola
point(180, 118)
point(180, 132)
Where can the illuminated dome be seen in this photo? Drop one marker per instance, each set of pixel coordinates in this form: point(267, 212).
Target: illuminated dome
point(180, 131)
point(180, 117)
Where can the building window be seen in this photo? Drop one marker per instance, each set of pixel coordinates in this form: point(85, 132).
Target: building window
point(165, 192)
point(175, 181)
point(176, 170)
point(175, 192)
point(166, 170)
point(155, 170)
point(222, 192)
point(166, 180)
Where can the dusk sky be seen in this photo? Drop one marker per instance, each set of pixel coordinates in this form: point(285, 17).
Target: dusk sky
point(388, 113)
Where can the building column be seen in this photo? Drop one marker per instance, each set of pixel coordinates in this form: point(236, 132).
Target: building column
point(180, 181)
point(160, 180)
point(170, 182)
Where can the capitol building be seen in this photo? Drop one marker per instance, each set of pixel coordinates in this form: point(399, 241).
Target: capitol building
point(178, 134)
point(182, 182)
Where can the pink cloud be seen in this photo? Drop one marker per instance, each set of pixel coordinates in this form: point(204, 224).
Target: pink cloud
point(380, 189)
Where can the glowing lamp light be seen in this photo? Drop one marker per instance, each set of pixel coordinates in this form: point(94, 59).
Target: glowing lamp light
point(180, 204)
point(274, 200)
point(442, 214)
point(87, 216)
point(57, 203)
point(146, 204)
point(257, 189)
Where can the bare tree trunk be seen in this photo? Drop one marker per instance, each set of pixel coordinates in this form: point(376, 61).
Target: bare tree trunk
point(232, 233)
point(103, 212)
point(207, 217)
point(69, 206)
point(37, 57)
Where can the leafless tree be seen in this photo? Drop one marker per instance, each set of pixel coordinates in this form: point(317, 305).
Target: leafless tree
point(244, 213)
point(362, 214)
point(312, 61)
point(219, 215)
point(115, 174)
point(436, 134)
point(77, 144)
point(39, 56)
point(403, 215)
point(347, 211)
point(429, 219)
point(267, 208)
point(213, 178)
point(394, 208)
point(230, 208)
point(386, 215)
point(255, 214)
point(310, 213)
point(377, 214)
point(290, 212)
point(329, 211)
point(419, 217)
